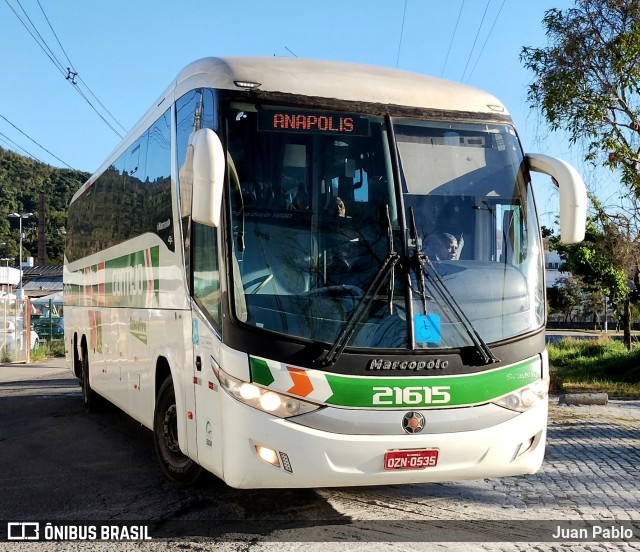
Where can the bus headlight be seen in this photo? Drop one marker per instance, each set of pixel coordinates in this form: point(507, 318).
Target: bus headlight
point(527, 397)
point(266, 400)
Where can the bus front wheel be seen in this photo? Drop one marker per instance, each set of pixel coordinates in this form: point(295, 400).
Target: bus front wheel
point(175, 465)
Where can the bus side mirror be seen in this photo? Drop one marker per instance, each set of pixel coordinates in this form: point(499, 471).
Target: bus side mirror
point(208, 177)
point(573, 195)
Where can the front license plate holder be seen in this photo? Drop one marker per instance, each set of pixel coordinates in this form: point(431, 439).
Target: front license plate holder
point(410, 459)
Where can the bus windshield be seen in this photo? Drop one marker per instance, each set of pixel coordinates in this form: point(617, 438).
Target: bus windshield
point(319, 199)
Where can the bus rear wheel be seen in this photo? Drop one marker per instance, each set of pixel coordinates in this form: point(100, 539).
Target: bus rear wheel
point(90, 398)
point(178, 467)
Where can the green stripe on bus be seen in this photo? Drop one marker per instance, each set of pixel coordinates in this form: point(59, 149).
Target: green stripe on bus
point(431, 391)
point(260, 372)
point(131, 280)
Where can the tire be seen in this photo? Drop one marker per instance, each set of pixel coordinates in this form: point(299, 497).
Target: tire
point(176, 466)
point(90, 398)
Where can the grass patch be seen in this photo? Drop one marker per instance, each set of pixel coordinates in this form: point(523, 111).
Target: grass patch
point(594, 365)
point(53, 349)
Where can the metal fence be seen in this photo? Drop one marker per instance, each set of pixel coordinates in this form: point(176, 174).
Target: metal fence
point(47, 321)
point(15, 329)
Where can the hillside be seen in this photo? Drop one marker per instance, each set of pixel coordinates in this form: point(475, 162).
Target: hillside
point(22, 181)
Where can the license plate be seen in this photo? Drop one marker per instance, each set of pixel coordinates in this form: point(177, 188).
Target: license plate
point(410, 459)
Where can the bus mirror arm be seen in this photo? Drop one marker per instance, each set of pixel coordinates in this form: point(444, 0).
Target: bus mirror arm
point(573, 195)
point(208, 177)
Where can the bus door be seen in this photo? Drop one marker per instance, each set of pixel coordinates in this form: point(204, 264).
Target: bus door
point(206, 319)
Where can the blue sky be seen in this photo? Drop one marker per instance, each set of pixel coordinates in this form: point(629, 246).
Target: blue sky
point(127, 52)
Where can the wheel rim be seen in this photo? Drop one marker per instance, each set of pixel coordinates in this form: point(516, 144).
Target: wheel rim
point(170, 430)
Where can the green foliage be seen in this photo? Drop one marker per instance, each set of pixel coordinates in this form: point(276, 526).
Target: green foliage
point(564, 297)
point(40, 354)
point(22, 180)
point(587, 80)
point(50, 349)
point(592, 303)
point(595, 364)
point(595, 263)
point(587, 83)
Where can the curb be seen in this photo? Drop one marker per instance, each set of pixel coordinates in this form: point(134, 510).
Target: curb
point(584, 398)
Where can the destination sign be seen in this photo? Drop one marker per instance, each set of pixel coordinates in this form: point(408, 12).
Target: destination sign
point(312, 122)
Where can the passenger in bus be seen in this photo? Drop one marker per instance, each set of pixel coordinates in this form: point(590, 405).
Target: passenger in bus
point(444, 247)
point(301, 201)
point(264, 194)
point(257, 194)
point(249, 195)
point(339, 209)
point(341, 245)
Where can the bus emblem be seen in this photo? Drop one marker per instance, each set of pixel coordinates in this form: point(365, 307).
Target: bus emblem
point(381, 364)
point(413, 422)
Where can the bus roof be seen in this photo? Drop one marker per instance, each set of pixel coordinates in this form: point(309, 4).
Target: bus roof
point(331, 80)
point(336, 80)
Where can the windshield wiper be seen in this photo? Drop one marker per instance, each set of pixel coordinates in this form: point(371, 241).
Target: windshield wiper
point(384, 273)
point(423, 266)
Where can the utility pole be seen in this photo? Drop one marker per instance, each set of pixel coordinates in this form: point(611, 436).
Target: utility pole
point(20, 216)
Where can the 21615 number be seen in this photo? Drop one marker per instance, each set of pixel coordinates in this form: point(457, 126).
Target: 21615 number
point(411, 396)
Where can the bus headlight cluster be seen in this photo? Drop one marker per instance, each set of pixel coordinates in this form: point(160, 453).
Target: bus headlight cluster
point(266, 400)
point(527, 397)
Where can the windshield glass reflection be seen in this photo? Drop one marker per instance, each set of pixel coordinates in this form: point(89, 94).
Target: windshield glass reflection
point(309, 196)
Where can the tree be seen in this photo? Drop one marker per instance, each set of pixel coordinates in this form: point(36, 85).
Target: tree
point(22, 181)
point(598, 263)
point(593, 303)
point(587, 81)
point(565, 297)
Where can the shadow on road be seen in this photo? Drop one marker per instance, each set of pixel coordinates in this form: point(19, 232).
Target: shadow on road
point(60, 463)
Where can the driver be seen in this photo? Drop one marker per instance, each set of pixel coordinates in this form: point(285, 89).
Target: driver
point(443, 247)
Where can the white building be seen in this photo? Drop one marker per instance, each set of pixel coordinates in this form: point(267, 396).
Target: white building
point(9, 278)
point(552, 263)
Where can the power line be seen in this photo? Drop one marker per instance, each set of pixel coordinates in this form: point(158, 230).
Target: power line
point(404, 13)
point(74, 69)
point(99, 114)
point(36, 143)
point(54, 61)
point(475, 40)
point(486, 40)
point(17, 146)
point(68, 74)
point(55, 35)
point(452, 38)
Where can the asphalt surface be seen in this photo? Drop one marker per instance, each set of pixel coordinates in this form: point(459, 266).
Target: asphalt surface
point(23, 372)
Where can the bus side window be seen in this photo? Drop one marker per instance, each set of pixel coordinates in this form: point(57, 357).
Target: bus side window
point(206, 272)
point(511, 246)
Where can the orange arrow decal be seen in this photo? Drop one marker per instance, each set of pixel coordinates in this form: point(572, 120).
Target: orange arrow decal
point(302, 385)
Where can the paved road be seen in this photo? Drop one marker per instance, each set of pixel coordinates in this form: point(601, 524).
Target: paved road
point(551, 336)
point(58, 463)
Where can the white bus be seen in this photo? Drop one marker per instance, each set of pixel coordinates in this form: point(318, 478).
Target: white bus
point(302, 273)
